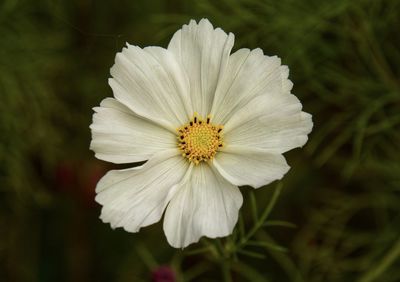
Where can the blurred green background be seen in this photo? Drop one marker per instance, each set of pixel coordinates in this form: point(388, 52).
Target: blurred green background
point(341, 195)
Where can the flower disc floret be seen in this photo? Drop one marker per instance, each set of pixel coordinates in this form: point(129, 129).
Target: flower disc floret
point(199, 140)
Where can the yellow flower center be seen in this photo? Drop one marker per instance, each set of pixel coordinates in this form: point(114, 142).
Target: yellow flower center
point(199, 139)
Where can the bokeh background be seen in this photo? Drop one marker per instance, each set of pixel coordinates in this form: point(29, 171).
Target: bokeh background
point(338, 216)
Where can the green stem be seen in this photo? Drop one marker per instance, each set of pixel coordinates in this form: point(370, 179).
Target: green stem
point(264, 215)
point(385, 263)
point(226, 270)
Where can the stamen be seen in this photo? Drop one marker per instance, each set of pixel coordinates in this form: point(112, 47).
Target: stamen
point(199, 140)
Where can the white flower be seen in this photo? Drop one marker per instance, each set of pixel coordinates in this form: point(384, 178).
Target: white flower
point(206, 121)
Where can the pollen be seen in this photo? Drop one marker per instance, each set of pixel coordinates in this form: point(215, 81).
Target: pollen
point(199, 139)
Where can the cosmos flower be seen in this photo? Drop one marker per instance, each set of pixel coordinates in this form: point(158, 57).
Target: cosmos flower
point(205, 120)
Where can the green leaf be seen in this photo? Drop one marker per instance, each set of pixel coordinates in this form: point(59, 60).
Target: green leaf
point(280, 223)
point(269, 245)
point(251, 254)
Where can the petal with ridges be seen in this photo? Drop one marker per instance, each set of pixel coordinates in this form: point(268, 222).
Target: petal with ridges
point(269, 122)
point(248, 75)
point(120, 136)
point(151, 83)
point(204, 52)
point(136, 197)
point(205, 204)
point(249, 166)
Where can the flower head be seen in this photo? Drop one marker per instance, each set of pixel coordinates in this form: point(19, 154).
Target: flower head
point(205, 120)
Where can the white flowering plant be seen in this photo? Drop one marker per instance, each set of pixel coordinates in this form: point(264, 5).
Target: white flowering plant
point(205, 120)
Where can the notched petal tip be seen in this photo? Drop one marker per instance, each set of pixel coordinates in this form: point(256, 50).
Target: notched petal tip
point(258, 51)
point(206, 22)
point(307, 118)
point(303, 141)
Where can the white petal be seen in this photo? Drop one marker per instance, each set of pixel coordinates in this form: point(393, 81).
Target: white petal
point(120, 136)
point(136, 197)
point(203, 51)
point(271, 122)
point(247, 166)
point(152, 83)
point(248, 75)
point(205, 205)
